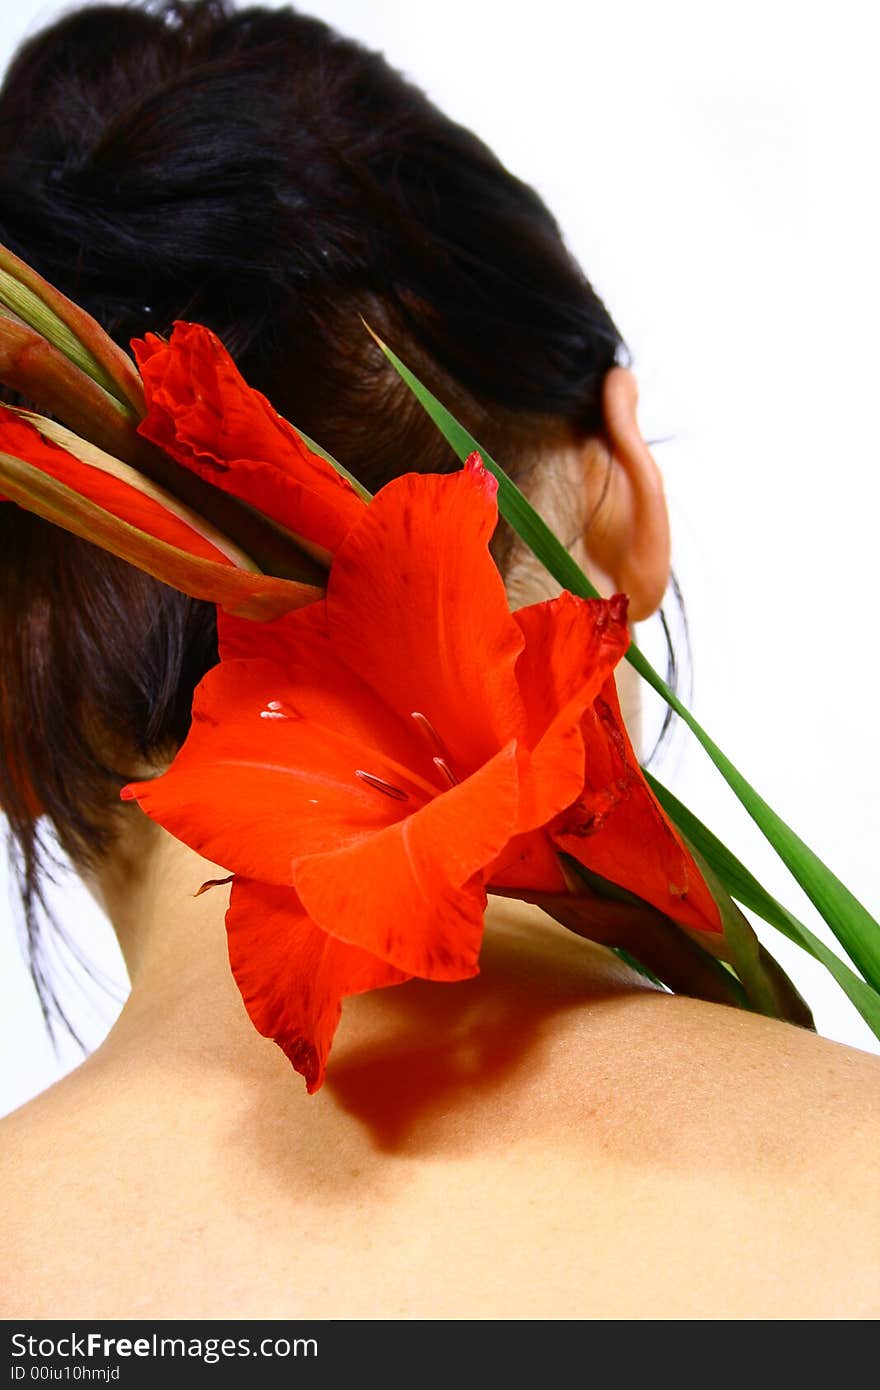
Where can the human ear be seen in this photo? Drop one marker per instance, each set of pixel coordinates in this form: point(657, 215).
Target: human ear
point(626, 521)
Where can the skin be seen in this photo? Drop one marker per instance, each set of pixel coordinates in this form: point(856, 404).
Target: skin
point(550, 1140)
point(553, 1139)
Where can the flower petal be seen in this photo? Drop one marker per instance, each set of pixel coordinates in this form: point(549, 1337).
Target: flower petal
point(416, 607)
point(129, 503)
point(86, 492)
point(571, 647)
point(201, 411)
point(327, 691)
point(617, 829)
point(292, 976)
point(529, 863)
point(254, 786)
point(413, 893)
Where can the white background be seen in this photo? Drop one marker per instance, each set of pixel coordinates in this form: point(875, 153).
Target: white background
point(714, 168)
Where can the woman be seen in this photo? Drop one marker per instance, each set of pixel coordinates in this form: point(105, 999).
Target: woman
point(570, 1114)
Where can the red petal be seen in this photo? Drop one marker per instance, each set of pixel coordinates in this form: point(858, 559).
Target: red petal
point(481, 477)
point(572, 646)
point(22, 440)
point(416, 607)
point(242, 639)
point(203, 413)
point(530, 863)
point(617, 829)
point(251, 792)
point(413, 893)
point(325, 690)
point(293, 976)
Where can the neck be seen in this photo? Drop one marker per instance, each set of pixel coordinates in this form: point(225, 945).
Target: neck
point(185, 1020)
point(173, 941)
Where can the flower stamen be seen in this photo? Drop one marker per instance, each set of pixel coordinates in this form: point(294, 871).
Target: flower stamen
point(444, 767)
point(424, 726)
point(441, 759)
point(381, 785)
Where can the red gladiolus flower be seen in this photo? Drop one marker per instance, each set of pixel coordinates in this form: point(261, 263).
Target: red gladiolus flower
point(201, 411)
point(370, 766)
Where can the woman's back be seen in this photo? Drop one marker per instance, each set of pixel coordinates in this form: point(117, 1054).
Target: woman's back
point(552, 1139)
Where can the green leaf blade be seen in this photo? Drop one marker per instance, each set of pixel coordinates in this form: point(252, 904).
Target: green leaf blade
point(745, 888)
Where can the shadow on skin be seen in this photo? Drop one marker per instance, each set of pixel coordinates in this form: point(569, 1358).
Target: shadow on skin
point(425, 1069)
point(441, 1056)
point(555, 1038)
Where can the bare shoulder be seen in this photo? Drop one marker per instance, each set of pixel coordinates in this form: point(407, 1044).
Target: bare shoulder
point(549, 1140)
point(649, 1156)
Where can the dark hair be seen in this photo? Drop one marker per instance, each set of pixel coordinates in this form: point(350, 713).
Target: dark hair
point(254, 171)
